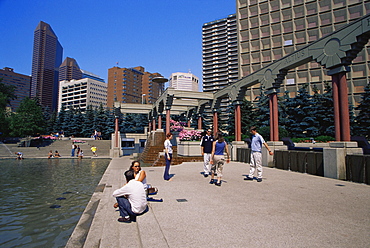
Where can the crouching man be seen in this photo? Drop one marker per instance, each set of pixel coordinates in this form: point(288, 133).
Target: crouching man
point(131, 198)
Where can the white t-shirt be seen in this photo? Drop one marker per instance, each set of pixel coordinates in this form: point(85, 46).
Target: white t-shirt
point(134, 190)
point(168, 145)
point(143, 182)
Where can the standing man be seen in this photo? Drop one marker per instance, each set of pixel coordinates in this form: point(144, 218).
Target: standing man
point(256, 154)
point(131, 198)
point(206, 145)
point(73, 149)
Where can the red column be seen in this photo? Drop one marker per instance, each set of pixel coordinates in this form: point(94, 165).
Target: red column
point(238, 120)
point(168, 118)
point(189, 124)
point(274, 117)
point(160, 122)
point(116, 131)
point(215, 123)
point(335, 82)
point(153, 121)
point(344, 108)
point(199, 122)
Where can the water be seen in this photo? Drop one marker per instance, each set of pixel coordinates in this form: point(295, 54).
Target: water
point(30, 187)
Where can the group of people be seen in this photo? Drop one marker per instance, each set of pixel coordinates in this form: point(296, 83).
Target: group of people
point(213, 150)
point(79, 153)
point(132, 197)
point(56, 154)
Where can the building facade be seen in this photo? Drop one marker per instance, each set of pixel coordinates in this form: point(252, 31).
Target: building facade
point(46, 59)
point(21, 82)
point(132, 85)
point(269, 30)
point(82, 93)
point(69, 70)
point(87, 74)
point(184, 81)
point(220, 53)
point(151, 90)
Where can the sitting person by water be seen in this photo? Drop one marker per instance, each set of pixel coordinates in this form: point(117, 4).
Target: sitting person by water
point(131, 198)
point(80, 154)
point(140, 175)
point(50, 154)
point(56, 154)
point(19, 155)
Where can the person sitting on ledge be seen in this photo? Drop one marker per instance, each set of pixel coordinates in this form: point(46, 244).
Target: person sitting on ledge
point(131, 198)
point(50, 154)
point(56, 154)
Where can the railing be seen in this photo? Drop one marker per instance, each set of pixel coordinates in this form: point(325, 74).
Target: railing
point(358, 168)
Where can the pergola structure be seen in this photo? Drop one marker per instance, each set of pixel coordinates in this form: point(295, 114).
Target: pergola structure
point(335, 52)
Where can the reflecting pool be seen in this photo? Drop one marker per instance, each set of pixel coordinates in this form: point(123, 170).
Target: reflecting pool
point(41, 200)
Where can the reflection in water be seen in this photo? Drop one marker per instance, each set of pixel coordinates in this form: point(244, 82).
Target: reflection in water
point(30, 189)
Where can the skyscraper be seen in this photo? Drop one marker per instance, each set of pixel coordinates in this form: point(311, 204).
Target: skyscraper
point(270, 30)
point(46, 59)
point(69, 70)
point(220, 53)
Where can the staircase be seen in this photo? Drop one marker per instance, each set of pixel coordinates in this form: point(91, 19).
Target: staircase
point(153, 153)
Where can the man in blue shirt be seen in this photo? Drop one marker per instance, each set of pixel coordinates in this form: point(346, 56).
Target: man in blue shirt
point(256, 154)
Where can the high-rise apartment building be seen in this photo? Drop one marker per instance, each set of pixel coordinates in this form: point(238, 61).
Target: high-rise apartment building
point(184, 81)
point(46, 59)
point(69, 70)
point(269, 30)
point(82, 93)
point(21, 82)
point(220, 53)
point(132, 85)
point(151, 90)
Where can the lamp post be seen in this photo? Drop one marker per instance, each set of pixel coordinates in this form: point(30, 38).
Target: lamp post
point(142, 98)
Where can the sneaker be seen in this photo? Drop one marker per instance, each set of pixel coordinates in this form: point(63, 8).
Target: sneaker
point(212, 181)
point(218, 184)
point(248, 178)
point(205, 175)
point(124, 219)
point(259, 179)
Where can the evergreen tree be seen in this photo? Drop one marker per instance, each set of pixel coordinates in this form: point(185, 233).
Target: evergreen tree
point(110, 124)
point(362, 127)
point(301, 117)
point(323, 110)
point(77, 122)
point(248, 116)
point(67, 121)
point(88, 123)
point(262, 110)
point(100, 119)
point(6, 95)
point(28, 120)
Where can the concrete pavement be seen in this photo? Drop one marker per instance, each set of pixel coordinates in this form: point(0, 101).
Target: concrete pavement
point(287, 209)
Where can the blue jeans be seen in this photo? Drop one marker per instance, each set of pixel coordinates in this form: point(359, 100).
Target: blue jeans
point(125, 208)
point(166, 175)
point(73, 153)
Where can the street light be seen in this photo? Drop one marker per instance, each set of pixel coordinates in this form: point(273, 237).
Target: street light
point(142, 98)
point(160, 80)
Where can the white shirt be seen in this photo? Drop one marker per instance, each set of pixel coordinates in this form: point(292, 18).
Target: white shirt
point(168, 145)
point(143, 182)
point(134, 190)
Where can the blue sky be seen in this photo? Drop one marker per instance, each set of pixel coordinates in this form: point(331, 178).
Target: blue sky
point(163, 36)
